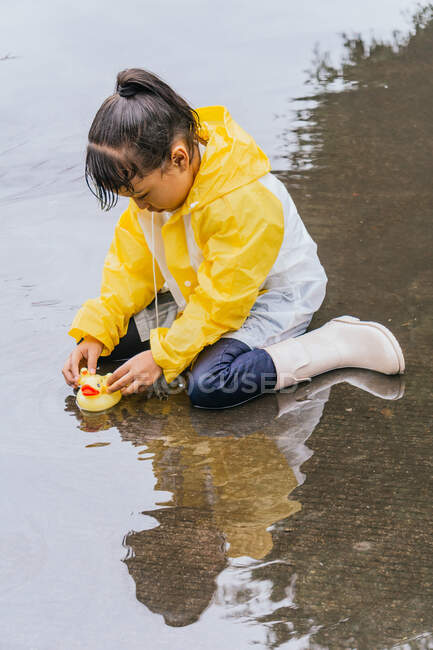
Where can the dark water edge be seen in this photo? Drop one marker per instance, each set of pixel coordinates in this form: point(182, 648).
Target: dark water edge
point(301, 520)
point(363, 184)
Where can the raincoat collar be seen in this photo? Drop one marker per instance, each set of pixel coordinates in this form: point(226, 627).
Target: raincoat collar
point(232, 159)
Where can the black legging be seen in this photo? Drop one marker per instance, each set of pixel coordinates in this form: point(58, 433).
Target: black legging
point(129, 345)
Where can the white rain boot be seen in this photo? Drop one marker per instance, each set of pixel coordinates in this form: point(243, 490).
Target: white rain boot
point(344, 342)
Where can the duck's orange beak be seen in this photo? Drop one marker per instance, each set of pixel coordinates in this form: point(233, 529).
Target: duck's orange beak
point(89, 390)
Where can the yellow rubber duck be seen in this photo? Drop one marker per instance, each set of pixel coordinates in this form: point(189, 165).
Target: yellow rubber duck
point(93, 395)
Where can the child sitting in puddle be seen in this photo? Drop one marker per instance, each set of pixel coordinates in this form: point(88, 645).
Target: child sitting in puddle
point(211, 269)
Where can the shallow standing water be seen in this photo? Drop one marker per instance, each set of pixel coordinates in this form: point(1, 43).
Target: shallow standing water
point(301, 520)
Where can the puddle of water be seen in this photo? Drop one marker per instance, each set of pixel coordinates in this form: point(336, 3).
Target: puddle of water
point(296, 521)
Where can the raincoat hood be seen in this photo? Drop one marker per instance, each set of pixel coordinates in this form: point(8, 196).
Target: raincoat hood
point(232, 159)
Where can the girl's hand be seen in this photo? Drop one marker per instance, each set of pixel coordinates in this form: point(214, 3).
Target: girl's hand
point(135, 375)
point(87, 351)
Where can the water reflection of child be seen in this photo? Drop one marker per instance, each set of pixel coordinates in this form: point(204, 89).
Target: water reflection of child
point(208, 222)
point(230, 482)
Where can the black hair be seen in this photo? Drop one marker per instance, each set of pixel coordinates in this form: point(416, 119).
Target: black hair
point(133, 132)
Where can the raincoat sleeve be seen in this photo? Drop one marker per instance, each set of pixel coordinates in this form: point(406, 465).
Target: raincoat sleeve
point(127, 286)
point(239, 246)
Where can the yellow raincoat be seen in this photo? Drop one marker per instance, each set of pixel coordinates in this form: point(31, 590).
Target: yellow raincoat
point(238, 226)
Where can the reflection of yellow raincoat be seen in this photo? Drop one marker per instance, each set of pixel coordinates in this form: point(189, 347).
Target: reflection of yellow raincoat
point(235, 225)
point(244, 482)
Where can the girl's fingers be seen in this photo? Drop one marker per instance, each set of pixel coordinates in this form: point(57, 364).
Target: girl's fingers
point(128, 390)
point(134, 387)
point(137, 385)
point(67, 374)
point(92, 359)
point(117, 374)
point(75, 359)
point(120, 383)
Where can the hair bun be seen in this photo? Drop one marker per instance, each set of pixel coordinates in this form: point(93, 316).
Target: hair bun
point(128, 90)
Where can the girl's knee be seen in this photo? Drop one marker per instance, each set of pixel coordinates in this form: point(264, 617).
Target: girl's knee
point(203, 390)
point(221, 388)
point(211, 383)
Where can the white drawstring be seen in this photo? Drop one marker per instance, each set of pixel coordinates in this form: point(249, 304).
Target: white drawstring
point(154, 275)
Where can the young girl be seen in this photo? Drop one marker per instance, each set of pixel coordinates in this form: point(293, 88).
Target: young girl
point(211, 268)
